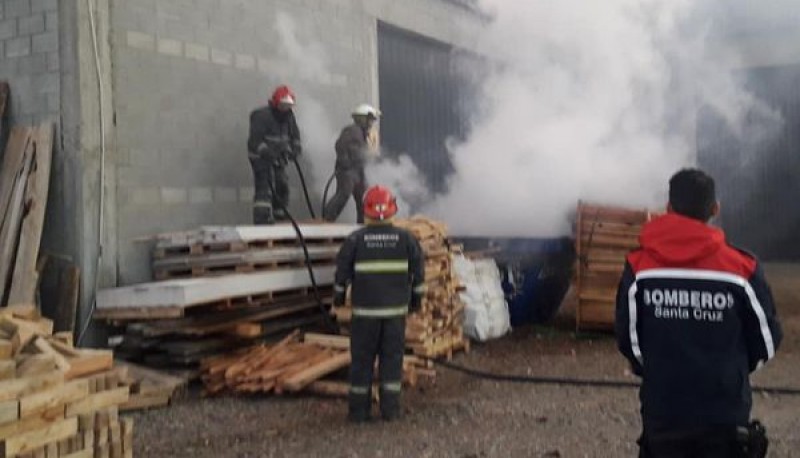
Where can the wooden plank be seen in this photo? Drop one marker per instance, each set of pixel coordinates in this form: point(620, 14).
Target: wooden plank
point(9, 411)
point(25, 277)
point(252, 257)
point(34, 365)
point(42, 345)
point(328, 340)
point(69, 293)
point(98, 401)
point(8, 369)
point(248, 234)
point(42, 401)
point(6, 349)
point(300, 380)
point(90, 362)
point(87, 452)
point(31, 440)
point(31, 423)
point(9, 236)
point(145, 401)
point(15, 388)
point(329, 388)
point(12, 163)
point(192, 292)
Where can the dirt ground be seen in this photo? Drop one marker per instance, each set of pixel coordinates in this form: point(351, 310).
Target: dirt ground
point(464, 417)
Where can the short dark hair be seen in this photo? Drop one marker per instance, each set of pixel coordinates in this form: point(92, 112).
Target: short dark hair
point(692, 193)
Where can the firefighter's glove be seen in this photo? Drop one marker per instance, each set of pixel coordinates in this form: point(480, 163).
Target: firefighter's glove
point(338, 299)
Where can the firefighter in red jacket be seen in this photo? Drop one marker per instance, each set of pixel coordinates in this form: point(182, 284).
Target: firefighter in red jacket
point(385, 268)
point(695, 317)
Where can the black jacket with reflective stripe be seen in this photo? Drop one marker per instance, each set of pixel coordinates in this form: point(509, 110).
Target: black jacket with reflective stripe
point(384, 264)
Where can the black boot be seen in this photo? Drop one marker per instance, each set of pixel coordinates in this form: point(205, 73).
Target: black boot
point(262, 215)
point(359, 408)
point(390, 405)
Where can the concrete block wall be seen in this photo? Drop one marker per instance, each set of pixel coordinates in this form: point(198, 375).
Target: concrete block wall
point(29, 58)
point(187, 73)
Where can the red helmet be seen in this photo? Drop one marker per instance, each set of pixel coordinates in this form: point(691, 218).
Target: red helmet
point(282, 95)
point(379, 203)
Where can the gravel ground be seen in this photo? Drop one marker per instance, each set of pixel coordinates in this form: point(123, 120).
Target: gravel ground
point(464, 417)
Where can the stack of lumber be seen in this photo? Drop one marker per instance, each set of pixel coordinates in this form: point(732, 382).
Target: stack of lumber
point(291, 366)
point(181, 321)
point(214, 251)
point(437, 329)
point(605, 235)
point(24, 181)
point(56, 400)
point(150, 388)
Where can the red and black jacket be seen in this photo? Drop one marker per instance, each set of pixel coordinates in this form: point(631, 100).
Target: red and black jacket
point(694, 317)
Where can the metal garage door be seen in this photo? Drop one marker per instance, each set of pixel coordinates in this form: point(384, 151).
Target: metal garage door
point(423, 96)
point(759, 181)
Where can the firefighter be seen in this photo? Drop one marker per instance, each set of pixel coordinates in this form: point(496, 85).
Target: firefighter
point(352, 150)
point(695, 317)
point(274, 141)
point(385, 268)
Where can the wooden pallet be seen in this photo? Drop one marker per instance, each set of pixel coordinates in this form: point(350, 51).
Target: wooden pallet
point(604, 237)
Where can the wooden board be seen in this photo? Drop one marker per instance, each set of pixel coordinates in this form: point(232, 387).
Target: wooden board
point(193, 292)
point(68, 298)
point(247, 234)
point(12, 163)
point(25, 278)
point(42, 401)
point(301, 379)
point(13, 214)
point(98, 401)
point(252, 258)
point(31, 440)
point(14, 388)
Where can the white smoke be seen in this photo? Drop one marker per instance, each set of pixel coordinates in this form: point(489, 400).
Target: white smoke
point(403, 178)
point(584, 100)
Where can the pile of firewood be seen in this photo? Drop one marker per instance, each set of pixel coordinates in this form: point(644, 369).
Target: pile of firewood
point(56, 400)
point(293, 365)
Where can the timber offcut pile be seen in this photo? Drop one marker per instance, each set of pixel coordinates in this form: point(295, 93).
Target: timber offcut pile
point(314, 364)
point(605, 235)
point(24, 181)
point(437, 329)
point(179, 322)
point(56, 400)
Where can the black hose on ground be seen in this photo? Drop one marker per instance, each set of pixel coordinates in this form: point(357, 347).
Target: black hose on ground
point(486, 375)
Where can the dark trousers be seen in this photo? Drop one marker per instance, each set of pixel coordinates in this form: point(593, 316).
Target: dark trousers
point(719, 443)
point(384, 339)
point(348, 183)
point(268, 205)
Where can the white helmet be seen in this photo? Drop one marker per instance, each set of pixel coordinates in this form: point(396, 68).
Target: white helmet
point(366, 110)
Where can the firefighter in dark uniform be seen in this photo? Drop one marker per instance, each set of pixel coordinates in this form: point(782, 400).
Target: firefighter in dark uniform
point(274, 141)
point(695, 317)
point(385, 267)
point(352, 150)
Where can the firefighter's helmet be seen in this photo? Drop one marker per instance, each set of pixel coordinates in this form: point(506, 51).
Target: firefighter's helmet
point(379, 203)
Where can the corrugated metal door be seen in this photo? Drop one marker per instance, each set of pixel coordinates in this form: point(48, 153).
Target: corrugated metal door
point(422, 95)
point(758, 172)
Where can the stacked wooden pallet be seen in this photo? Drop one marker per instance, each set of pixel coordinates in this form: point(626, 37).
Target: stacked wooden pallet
point(605, 235)
point(23, 196)
point(214, 251)
point(181, 321)
point(437, 329)
point(56, 400)
point(290, 366)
